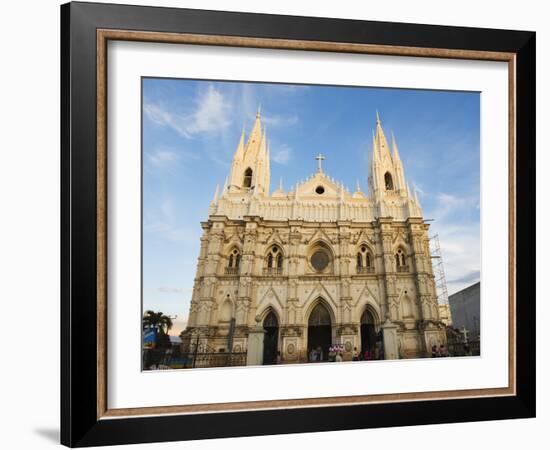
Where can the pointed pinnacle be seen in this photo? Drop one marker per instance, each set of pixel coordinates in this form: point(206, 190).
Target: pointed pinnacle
point(258, 113)
point(377, 118)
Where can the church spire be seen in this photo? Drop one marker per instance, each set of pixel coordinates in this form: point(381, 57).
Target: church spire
point(374, 149)
point(386, 174)
point(250, 170)
point(256, 135)
point(239, 153)
point(395, 154)
point(380, 140)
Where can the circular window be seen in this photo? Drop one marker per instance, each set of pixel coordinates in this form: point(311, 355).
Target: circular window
point(320, 190)
point(274, 249)
point(319, 260)
point(363, 249)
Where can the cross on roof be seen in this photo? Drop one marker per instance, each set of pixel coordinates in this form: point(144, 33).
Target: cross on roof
point(465, 333)
point(320, 159)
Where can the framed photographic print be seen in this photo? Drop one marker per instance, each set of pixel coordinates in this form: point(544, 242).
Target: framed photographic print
point(277, 224)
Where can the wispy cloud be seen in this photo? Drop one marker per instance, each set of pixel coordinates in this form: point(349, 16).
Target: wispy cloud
point(211, 114)
point(281, 154)
point(250, 98)
point(162, 158)
point(162, 222)
point(418, 188)
point(459, 239)
point(170, 290)
point(278, 120)
point(449, 204)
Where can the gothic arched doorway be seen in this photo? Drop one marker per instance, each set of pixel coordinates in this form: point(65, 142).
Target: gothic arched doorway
point(368, 332)
point(271, 338)
point(319, 333)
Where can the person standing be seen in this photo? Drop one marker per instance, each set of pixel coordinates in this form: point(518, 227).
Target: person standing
point(355, 356)
point(313, 355)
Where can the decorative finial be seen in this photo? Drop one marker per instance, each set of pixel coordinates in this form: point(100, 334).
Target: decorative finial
point(358, 187)
point(377, 118)
point(258, 113)
point(320, 159)
point(216, 194)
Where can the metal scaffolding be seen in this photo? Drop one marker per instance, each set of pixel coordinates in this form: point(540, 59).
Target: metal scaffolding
point(439, 271)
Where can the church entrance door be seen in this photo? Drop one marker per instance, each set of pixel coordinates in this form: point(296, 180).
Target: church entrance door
point(319, 334)
point(368, 333)
point(271, 338)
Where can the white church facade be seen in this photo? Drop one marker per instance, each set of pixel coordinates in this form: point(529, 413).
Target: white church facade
point(283, 273)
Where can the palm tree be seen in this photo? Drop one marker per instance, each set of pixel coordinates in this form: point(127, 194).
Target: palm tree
point(158, 320)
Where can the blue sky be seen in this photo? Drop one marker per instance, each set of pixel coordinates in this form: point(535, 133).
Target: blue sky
point(191, 130)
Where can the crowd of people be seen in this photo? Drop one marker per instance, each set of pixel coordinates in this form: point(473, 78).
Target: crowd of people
point(336, 355)
point(439, 352)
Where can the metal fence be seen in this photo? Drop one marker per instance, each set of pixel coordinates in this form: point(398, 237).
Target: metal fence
point(155, 359)
point(472, 348)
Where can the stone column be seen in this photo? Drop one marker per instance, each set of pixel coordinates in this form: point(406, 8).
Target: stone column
point(255, 346)
point(389, 331)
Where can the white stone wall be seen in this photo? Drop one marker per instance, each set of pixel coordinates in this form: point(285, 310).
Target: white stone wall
point(407, 297)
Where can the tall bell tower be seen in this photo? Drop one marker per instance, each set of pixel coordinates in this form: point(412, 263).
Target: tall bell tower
point(386, 175)
point(250, 170)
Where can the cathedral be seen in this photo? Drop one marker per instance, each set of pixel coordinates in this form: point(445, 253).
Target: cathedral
point(283, 274)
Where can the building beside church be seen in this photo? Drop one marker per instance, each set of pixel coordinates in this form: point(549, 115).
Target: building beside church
point(287, 272)
point(465, 310)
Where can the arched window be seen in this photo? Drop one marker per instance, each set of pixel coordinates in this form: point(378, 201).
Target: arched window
point(271, 321)
point(274, 261)
point(364, 260)
point(400, 261)
point(233, 262)
point(319, 316)
point(247, 181)
point(388, 181)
